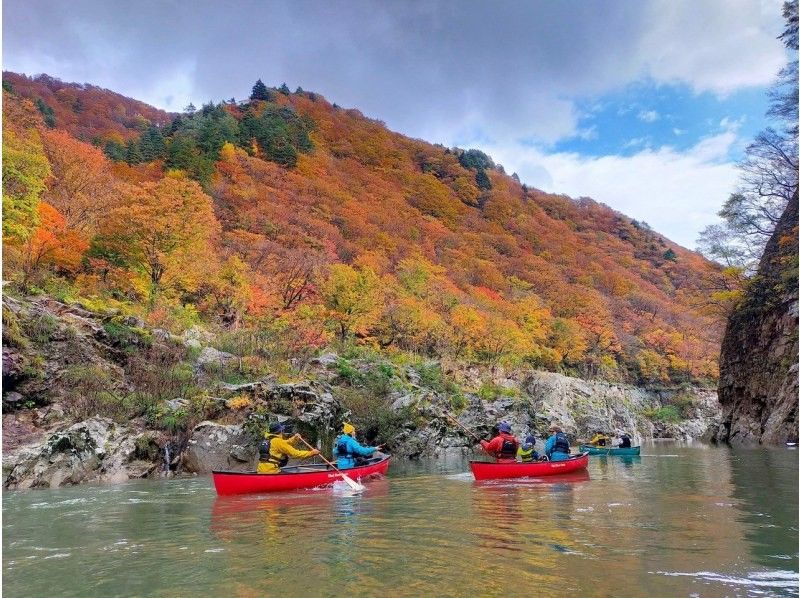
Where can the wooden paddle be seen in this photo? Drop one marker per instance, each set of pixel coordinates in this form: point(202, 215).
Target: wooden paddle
point(350, 481)
point(458, 423)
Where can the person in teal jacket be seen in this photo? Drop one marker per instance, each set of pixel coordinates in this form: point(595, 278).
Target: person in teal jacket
point(557, 446)
point(348, 451)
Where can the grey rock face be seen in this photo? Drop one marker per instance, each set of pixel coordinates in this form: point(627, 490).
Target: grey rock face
point(307, 403)
point(326, 359)
point(758, 382)
point(92, 450)
point(211, 357)
point(578, 406)
point(215, 446)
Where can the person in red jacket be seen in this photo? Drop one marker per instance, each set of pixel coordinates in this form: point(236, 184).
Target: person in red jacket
point(502, 447)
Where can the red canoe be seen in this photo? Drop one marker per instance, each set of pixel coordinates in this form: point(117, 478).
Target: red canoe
point(493, 471)
point(292, 478)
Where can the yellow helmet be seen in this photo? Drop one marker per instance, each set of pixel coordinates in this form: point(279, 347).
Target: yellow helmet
point(349, 429)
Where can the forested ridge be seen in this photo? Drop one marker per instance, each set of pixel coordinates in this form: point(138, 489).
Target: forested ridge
point(297, 224)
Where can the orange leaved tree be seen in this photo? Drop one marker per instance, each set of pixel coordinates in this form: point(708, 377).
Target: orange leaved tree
point(52, 244)
point(82, 187)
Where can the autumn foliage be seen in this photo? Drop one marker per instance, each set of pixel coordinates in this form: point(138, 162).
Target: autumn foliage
point(294, 215)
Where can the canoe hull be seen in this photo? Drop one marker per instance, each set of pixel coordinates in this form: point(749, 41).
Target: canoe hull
point(482, 470)
point(230, 482)
point(609, 451)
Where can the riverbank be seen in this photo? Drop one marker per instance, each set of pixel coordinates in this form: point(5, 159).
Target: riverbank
point(106, 398)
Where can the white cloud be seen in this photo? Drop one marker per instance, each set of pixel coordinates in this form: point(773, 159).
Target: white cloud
point(713, 46)
point(648, 116)
point(587, 134)
point(731, 124)
point(677, 193)
point(678, 132)
point(635, 142)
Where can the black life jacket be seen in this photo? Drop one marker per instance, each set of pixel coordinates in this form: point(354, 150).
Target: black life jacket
point(508, 450)
point(562, 444)
point(265, 455)
point(343, 447)
point(625, 441)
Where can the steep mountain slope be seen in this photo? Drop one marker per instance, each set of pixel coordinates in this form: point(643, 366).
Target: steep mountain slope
point(443, 253)
point(85, 111)
point(758, 364)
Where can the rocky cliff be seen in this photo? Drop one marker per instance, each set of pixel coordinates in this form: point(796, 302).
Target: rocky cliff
point(758, 385)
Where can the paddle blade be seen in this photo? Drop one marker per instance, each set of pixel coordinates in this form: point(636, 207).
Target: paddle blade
point(352, 483)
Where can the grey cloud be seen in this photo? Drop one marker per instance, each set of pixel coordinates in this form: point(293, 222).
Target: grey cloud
point(443, 71)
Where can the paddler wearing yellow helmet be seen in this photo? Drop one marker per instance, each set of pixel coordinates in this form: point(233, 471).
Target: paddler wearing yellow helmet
point(276, 449)
point(346, 449)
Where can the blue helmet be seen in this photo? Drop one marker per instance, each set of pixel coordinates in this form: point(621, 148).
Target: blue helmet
point(504, 427)
point(530, 439)
point(285, 427)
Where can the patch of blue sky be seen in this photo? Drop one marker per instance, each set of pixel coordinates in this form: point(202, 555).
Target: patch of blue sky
point(649, 116)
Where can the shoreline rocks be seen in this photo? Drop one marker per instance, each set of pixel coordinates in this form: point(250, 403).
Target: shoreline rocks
point(94, 450)
point(579, 406)
point(215, 446)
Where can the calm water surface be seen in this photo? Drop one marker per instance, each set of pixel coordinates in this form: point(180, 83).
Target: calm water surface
point(678, 521)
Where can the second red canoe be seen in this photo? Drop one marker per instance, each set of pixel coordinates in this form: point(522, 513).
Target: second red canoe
point(483, 470)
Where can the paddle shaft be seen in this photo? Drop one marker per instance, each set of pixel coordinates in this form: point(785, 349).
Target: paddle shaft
point(350, 481)
point(458, 423)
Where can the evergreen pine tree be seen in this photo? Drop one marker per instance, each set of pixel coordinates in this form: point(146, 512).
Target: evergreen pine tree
point(152, 145)
point(174, 126)
point(47, 113)
point(260, 91)
point(114, 150)
point(284, 89)
point(133, 154)
point(181, 152)
point(283, 153)
point(482, 180)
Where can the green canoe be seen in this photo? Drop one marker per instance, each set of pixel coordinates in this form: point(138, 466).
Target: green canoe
point(609, 450)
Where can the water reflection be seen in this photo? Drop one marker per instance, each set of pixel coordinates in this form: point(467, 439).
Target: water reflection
point(500, 513)
point(630, 460)
point(765, 481)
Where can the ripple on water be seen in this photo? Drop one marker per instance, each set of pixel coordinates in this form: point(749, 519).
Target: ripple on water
point(61, 503)
point(755, 579)
point(459, 477)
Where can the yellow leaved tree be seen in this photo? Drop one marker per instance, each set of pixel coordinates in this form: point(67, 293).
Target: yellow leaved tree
point(164, 232)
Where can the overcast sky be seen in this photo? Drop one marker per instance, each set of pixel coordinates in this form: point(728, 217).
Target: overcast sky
point(643, 105)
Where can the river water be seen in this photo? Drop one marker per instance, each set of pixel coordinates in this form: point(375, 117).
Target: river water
point(678, 521)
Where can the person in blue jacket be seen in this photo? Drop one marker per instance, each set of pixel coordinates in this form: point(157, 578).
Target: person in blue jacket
point(557, 446)
point(347, 451)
